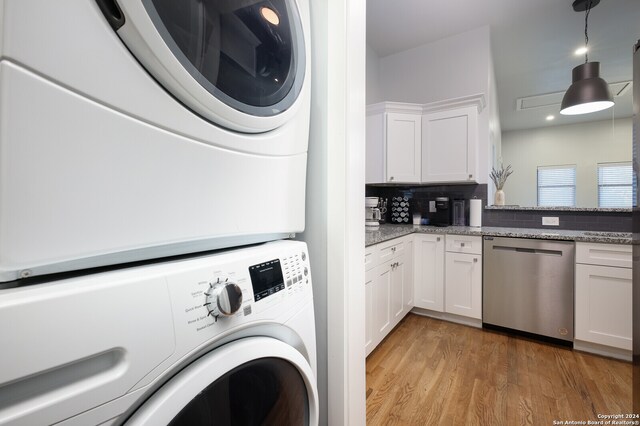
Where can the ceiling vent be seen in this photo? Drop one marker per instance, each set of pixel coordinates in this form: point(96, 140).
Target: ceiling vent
point(553, 99)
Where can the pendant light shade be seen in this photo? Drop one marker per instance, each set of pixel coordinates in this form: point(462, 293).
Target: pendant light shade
point(588, 92)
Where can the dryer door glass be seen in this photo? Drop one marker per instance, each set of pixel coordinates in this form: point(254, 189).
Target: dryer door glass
point(267, 391)
point(247, 53)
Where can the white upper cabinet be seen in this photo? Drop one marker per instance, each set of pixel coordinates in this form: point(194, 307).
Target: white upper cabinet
point(403, 147)
point(449, 145)
point(431, 143)
point(393, 143)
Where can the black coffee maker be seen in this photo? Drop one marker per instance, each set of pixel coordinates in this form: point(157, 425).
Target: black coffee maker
point(442, 215)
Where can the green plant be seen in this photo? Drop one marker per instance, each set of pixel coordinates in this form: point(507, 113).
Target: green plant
point(499, 177)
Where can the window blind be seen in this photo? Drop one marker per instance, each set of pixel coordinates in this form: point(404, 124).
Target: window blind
point(615, 184)
point(557, 185)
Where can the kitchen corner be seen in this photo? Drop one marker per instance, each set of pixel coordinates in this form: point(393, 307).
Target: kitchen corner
point(445, 272)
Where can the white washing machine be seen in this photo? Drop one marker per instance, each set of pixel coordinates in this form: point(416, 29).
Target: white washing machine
point(135, 129)
point(225, 338)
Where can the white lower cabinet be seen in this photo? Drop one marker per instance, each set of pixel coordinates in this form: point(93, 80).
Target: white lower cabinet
point(463, 276)
point(387, 291)
point(448, 274)
point(381, 294)
point(463, 284)
point(603, 302)
point(397, 286)
point(429, 272)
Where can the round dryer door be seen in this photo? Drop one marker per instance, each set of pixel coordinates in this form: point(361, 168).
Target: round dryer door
point(240, 64)
point(252, 381)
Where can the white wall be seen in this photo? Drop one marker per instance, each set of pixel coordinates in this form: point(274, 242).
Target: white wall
point(374, 89)
point(584, 144)
point(449, 68)
point(334, 213)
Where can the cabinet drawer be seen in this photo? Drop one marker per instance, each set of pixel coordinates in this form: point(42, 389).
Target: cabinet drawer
point(464, 244)
point(371, 257)
point(604, 254)
point(390, 249)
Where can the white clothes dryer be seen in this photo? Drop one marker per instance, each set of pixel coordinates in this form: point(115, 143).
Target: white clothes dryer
point(136, 129)
point(225, 338)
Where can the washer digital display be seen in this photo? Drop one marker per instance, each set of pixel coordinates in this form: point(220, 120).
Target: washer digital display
point(266, 279)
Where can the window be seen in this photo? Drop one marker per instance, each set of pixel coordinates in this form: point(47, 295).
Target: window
point(615, 184)
point(557, 185)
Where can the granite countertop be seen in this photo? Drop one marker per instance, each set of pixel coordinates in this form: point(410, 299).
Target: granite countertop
point(388, 232)
point(562, 209)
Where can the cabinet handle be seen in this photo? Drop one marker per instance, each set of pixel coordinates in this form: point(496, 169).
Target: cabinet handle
point(438, 239)
point(390, 177)
point(393, 249)
point(475, 260)
point(461, 244)
point(470, 176)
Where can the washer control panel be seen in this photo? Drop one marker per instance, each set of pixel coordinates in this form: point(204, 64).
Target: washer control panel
point(229, 289)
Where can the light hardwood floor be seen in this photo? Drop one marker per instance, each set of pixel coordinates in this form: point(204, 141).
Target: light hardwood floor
point(432, 372)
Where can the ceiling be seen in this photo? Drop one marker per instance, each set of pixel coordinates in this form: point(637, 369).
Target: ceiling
point(532, 43)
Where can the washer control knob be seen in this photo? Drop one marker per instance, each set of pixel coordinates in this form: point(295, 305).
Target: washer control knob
point(223, 298)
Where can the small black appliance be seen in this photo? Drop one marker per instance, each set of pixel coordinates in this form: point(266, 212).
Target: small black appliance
point(442, 215)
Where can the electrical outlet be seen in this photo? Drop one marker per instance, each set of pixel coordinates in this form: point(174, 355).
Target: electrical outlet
point(432, 206)
point(550, 221)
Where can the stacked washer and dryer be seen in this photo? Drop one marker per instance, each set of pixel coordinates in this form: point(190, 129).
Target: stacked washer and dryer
point(152, 168)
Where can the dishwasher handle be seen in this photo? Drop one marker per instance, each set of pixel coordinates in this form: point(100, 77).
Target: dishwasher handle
point(529, 250)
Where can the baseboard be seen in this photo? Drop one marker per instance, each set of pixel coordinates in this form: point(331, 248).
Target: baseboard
point(608, 351)
point(445, 316)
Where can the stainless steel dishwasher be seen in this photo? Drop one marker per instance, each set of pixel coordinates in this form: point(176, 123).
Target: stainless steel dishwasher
point(528, 285)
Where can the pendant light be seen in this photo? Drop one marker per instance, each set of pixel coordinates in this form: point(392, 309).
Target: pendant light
point(588, 92)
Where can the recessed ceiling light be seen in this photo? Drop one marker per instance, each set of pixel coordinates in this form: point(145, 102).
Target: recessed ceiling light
point(269, 15)
point(550, 117)
point(581, 51)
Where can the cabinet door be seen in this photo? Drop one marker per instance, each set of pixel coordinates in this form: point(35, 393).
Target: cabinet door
point(449, 145)
point(403, 147)
point(603, 305)
point(397, 286)
point(429, 271)
point(463, 284)
point(407, 290)
point(381, 293)
point(368, 311)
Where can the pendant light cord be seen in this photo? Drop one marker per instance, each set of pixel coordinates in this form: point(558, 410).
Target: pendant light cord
point(586, 34)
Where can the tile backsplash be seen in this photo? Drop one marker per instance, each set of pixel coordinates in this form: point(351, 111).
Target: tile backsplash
point(569, 220)
point(419, 197)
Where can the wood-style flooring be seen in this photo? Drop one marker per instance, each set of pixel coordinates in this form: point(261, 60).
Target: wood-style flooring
point(432, 372)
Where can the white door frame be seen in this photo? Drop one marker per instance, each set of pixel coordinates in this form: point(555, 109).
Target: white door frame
point(335, 197)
